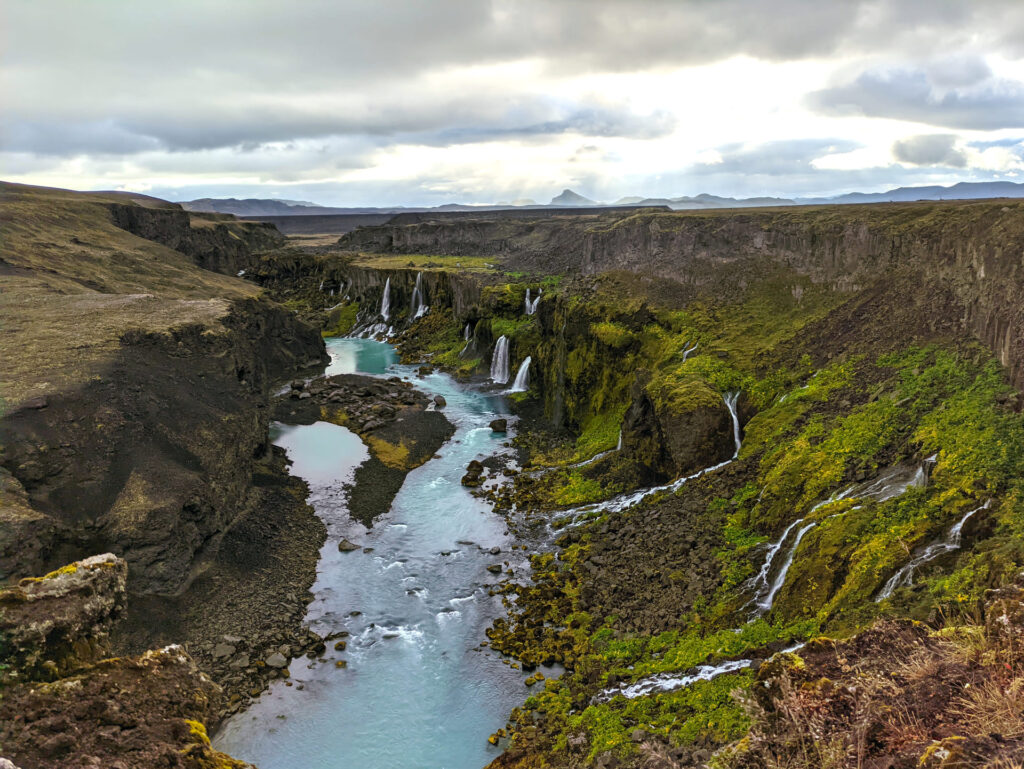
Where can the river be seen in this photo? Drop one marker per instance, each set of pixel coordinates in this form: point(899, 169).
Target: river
point(418, 691)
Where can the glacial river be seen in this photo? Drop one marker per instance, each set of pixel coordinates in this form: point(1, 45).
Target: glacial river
point(418, 692)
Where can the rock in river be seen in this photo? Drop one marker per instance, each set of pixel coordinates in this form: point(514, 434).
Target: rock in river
point(347, 547)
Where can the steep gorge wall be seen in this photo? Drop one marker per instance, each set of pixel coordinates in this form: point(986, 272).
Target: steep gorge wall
point(216, 242)
point(135, 421)
point(976, 249)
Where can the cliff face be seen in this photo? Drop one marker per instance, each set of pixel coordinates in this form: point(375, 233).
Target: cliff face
point(138, 404)
point(974, 248)
point(325, 281)
point(216, 242)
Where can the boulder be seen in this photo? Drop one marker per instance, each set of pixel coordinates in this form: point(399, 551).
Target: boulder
point(347, 547)
point(440, 402)
point(276, 660)
point(499, 425)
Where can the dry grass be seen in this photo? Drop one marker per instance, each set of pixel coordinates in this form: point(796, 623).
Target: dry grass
point(993, 707)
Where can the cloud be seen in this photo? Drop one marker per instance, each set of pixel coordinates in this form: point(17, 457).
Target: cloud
point(919, 95)
point(930, 150)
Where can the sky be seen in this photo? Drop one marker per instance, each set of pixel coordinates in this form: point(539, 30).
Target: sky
point(426, 102)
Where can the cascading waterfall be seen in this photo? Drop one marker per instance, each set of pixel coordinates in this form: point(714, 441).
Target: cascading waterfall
point(905, 576)
point(766, 597)
point(686, 352)
point(522, 382)
point(667, 682)
point(891, 483)
point(531, 306)
point(499, 361)
point(624, 501)
point(418, 307)
point(760, 581)
point(385, 302)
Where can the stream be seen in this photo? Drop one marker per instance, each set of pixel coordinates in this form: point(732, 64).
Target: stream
point(417, 692)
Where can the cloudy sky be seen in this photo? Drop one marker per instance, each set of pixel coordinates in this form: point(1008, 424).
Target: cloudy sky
point(423, 102)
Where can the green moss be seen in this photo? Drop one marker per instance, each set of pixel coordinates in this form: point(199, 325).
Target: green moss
point(613, 335)
point(341, 320)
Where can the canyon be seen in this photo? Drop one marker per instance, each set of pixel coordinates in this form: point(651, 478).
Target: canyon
point(740, 378)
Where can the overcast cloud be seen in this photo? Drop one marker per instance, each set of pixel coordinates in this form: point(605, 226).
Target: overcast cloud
point(413, 102)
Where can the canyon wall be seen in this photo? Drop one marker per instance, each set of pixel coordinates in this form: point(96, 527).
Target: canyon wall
point(974, 248)
point(136, 402)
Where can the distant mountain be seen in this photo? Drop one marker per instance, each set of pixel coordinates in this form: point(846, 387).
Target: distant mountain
point(253, 206)
point(571, 199)
point(961, 191)
point(568, 199)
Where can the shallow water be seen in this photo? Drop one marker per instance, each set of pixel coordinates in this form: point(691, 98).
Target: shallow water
point(417, 691)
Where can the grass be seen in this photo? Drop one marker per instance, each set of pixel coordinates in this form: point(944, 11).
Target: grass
point(477, 264)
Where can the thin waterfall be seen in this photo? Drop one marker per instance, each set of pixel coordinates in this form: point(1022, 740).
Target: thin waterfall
point(419, 306)
point(522, 383)
point(730, 403)
point(531, 306)
point(686, 352)
point(385, 302)
point(625, 501)
point(499, 361)
point(764, 600)
point(905, 576)
point(760, 580)
point(618, 446)
point(321, 288)
point(467, 333)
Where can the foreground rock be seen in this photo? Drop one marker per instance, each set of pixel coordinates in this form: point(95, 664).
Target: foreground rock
point(66, 706)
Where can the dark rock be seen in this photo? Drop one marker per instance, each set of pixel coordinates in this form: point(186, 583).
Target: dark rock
point(440, 402)
point(499, 425)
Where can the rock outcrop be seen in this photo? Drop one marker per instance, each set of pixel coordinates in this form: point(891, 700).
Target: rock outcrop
point(66, 706)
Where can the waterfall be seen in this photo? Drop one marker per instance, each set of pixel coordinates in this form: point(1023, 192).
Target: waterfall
point(499, 361)
point(730, 403)
point(760, 580)
point(385, 303)
point(667, 682)
point(618, 446)
point(321, 288)
point(419, 306)
point(686, 352)
point(625, 501)
point(467, 333)
point(522, 383)
point(765, 598)
point(905, 576)
point(531, 307)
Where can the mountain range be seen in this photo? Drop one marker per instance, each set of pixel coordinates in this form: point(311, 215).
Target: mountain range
point(570, 199)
